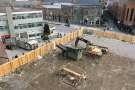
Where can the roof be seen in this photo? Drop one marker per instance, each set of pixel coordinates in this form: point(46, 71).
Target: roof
point(32, 42)
point(57, 5)
point(132, 0)
point(80, 2)
point(89, 2)
point(66, 4)
point(52, 6)
point(18, 10)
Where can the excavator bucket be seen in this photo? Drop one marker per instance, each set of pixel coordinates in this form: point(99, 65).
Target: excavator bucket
point(71, 52)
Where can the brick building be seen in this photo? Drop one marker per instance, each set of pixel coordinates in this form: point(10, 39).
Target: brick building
point(123, 12)
point(129, 18)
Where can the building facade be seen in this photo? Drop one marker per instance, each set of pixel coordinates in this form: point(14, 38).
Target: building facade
point(22, 20)
point(77, 12)
point(129, 18)
point(123, 12)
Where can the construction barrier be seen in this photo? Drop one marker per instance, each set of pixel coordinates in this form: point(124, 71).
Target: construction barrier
point(31, 56)
point(113, 35)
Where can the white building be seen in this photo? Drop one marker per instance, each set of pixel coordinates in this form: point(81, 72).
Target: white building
point(22, 20)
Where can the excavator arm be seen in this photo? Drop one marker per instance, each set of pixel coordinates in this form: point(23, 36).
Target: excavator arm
point(88, 43)
point(82, 39)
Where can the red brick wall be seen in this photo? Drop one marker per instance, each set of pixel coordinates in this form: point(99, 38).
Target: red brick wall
point(127, 19)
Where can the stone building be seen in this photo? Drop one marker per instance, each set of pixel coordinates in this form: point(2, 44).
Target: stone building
point(79, 11)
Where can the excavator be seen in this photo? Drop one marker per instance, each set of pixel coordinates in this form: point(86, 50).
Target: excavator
point(76, 52)
point(91, 49)
point(71, 52)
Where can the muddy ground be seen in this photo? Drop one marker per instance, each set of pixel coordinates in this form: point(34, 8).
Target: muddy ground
point(111, 72)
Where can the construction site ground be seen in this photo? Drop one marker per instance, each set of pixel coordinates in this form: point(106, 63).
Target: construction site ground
point(113, 71)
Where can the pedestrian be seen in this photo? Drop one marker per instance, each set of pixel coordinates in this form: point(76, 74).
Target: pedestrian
point(111, 29)
point(104, 29)
point(16, 56)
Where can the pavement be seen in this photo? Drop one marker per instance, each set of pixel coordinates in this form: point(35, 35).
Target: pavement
point(118, 47)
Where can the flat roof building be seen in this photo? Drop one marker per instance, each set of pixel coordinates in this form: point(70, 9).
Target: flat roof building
point(21, 20)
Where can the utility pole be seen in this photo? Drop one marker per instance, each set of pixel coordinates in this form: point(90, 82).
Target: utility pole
point(9, 8)
point(10, 20)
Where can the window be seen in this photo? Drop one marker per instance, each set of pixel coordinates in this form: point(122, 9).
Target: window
point(3, 27)
point(39, 24)
point(16, 27)
point(23, 17)
point(127, 14)
point(25, 26)
point(23, 35)
point(3, 18)
point(28, 25)
point(39, 34)
point(32, 35)
point(131, 15)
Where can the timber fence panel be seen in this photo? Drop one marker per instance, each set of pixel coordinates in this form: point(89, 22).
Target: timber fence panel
point(114, 35)
point(22, 60)
point(32, 56)
point(71, 36)
point(107, 34)
point(127, 38)
point(61, 41)
point(75, 34)
point(1, 70)
point(64, 39)
point(42, 50)
point(119, 36)
point(5, 69)
point(37, 52)
point(133, 39)
point(52, 45)
point(15, 64)
point(46, 48)
point(68, 38)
